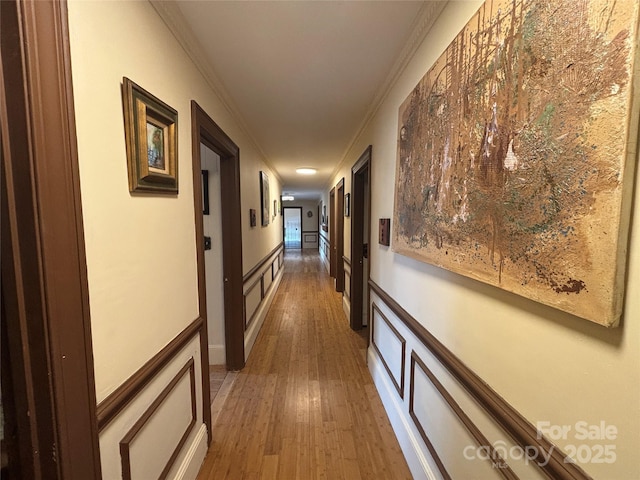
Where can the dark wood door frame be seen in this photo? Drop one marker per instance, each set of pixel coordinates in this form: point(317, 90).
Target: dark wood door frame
point(332, 233)
point(339, 227)
point(360, 176)
point(205, 130)
point(283, 226)
point(45, 299)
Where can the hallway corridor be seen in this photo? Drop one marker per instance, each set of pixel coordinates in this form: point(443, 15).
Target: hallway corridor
point(304, 407)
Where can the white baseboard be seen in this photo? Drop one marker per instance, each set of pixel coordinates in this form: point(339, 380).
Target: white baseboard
point(194, 457)
point(251, 334)
point(217, 355)
point(417, 458)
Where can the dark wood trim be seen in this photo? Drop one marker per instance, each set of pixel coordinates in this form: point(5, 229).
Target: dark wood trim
point(403, 342)
point(109, 408)
point(507, 417)
point(425, 438)
point(332, 232)
point(339, 228)
point(45, 298)
point(299, 209)
point(125, 443)
point(262, 263)
point(248, 319)
point(360, 175)
point(205, 130)
point(497, 462)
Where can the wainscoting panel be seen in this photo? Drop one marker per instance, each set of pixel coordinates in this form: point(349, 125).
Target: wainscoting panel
point(166, 425)
point(260, 285)
point(347, 278)
point(450, 423)
point(252, 300)
point(310, 239)
point(267, 279)
point(154, 428)
point(449, 442)
point(491, 440)
point(390, 346)
point(346, 294)
point(325, 250)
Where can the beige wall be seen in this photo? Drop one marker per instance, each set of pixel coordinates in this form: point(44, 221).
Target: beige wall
point(549, 365)
point(141, 249)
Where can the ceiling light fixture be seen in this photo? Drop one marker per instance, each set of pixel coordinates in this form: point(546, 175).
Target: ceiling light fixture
point(288, 198)
point(306, 171)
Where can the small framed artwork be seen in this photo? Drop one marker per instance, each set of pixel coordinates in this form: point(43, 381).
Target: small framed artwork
point(205, 192)
point(347, 205)
point(252, 217)
point(151, 135)
point(264, 197)
point(384, 231)
point(275, 208)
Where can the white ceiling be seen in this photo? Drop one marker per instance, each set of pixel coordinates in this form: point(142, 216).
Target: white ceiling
point(300, 76)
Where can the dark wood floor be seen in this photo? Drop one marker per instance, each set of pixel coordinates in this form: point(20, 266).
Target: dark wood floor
point(304, 407)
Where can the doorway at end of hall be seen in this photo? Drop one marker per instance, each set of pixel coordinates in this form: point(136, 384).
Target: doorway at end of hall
point(292, 227)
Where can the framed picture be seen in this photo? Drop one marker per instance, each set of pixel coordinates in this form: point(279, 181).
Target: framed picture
point(347, 205)
point(275, 208)
point(205, 192)
point(537, 200)
point(151, 134)
point(264, 197)
point(252, 217)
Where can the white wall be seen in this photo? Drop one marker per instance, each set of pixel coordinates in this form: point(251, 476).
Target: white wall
point(549, 365)
point(141, 249)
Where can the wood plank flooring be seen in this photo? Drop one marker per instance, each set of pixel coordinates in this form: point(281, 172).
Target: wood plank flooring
point(304, 407)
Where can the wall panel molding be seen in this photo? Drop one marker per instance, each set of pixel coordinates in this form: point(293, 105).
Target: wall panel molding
point(347, 281)
point(511, 421)
point(269, 266)
point(127, 440)
point(117, 401)
point(399, 386)
point(497, 461)
point(261, 263)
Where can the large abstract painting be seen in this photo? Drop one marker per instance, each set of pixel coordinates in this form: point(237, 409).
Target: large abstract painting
point(516, 153)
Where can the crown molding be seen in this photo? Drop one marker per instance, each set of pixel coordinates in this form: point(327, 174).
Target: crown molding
point(171, 15)
point(427, 16)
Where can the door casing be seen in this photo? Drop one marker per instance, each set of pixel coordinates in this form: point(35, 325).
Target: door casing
point(360, 178)
point(206, 131)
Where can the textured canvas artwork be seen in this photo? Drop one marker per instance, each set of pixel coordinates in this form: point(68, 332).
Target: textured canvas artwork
point(516, 153)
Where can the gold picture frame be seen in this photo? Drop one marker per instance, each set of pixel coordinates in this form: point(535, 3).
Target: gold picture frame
point(151, 134)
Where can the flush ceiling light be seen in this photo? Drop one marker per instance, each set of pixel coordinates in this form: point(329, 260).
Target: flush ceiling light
point(306, 171)
point(287, 198)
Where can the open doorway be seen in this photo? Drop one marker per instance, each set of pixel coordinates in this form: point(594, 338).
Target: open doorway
point(360, 235)
point(292, 227)
point(213, 259)
point(207, 132)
